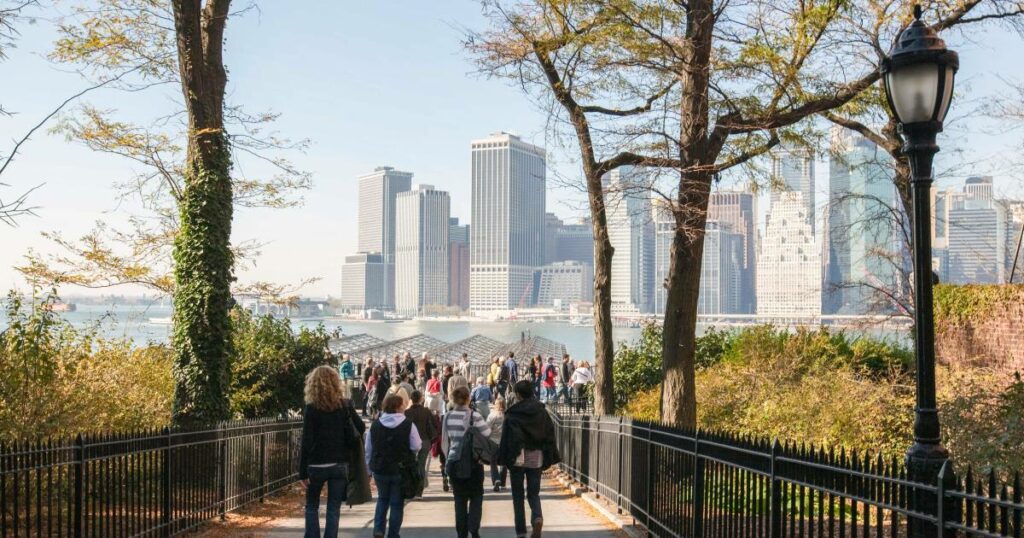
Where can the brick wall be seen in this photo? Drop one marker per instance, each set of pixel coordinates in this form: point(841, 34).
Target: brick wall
point(994, 336)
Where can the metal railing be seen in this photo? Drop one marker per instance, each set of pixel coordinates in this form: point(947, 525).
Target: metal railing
point(699, 484)
point(147, 483)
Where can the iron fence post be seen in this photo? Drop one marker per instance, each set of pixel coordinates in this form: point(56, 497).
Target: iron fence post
point(165, 486)
point(775, 510)
point(263, 464)
point(649, 476)
point(79, 530)
point(618, 499)
point(698, 487)
point(223, 486)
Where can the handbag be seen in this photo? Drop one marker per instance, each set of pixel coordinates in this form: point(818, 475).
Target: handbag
point(358, 488)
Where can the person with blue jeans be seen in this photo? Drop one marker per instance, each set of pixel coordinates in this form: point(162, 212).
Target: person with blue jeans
point(392, 443)
point(527, 448)
point(330, 431)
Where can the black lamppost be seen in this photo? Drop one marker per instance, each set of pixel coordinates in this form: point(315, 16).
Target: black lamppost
point(918, 77)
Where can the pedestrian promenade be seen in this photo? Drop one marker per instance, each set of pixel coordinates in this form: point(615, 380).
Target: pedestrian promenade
point(433, 516)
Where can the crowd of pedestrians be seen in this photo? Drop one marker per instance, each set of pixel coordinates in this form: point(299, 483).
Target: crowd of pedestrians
point(420, 411)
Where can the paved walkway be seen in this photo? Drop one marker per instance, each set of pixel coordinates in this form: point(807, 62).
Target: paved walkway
point(432, 516)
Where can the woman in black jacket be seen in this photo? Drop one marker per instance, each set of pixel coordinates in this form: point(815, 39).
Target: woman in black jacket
point(331, 429)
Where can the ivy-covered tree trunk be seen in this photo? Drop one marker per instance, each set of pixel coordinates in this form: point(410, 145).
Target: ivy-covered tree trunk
point(202, 253)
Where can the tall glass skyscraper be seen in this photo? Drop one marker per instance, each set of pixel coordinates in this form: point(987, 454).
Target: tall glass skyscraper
point(508, 207)
point(631, 232)
point(793, 171)
point(377, 194)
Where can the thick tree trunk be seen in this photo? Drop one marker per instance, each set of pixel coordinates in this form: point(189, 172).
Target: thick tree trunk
point(202, 250)
point(604, 349)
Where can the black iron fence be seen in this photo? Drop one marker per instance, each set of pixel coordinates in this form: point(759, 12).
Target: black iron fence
point(696, 484)
point(150, 483)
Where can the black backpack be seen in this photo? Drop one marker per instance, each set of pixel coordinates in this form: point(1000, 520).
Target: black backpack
point(474, 449)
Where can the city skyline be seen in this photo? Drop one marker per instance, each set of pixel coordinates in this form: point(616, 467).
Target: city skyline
point(353, 130)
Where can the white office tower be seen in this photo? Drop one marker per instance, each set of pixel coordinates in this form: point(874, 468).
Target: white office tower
point(721, 271)
point(979, 236)
point(664, 230)
point(865, 257)
point(631, 232)
point(363, 279)
point(979, 187)
point(789, 262)
point(736, 212)
point(421, 251)
point(377, 192)
point(793, 171)
point(565, 283)
point(507, 236)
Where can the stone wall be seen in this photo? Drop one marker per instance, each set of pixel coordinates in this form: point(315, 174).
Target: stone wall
point(981, 325)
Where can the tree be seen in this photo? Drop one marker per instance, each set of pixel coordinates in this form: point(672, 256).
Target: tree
point(10, 13)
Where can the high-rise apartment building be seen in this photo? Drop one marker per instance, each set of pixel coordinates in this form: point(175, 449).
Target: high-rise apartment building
point(864, 257)
point(363, 279)
point(736, 212)
point(376, 233)
point(631, 232)
point(789, 262)
point(793, 171)
point(721, 271)
point(458, 264)
point(421, 250)
point(508, 207)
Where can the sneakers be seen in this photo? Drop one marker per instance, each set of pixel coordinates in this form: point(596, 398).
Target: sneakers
point(497, 488)
point(538, 523)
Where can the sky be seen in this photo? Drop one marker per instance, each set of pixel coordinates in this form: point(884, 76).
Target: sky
point(370, 84)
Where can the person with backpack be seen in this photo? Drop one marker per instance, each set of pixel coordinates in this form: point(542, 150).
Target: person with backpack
point(391, 450)
point(423, 419)
point(460, 430)
point(509, 375)
point(330, 433)
point(527, 448)
point(549, 378)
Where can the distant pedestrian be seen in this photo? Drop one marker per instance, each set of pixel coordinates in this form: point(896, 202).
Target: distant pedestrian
point(463, 367)
point(534, 373)
point(367, 374)
point(549, 377)
point(509, 375)
point(455, 382)
point(481, 397)
point(330, 433)
point(469, 489)
point(564, 375)
point(496, 420)
point(494, 372)
point(393, 443)
point(527, 448)
point(445, 378)
point(346, 368)
point(423, 419)
point(409, 365)
point(435, 396)
point(581, 377)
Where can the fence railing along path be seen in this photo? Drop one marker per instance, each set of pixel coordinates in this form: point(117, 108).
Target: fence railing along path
point(148, 483)
point(700, 484)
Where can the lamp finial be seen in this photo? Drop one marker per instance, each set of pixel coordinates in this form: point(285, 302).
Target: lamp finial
point(918, 11)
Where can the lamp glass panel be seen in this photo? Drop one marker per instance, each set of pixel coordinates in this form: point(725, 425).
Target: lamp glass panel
point(913, 89)
point(947, 93)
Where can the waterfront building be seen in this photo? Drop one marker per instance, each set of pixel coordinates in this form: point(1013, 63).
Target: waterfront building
point(421, 251)
point(664, 229)
point(575, 242)
point(564, 283)
point(736, 212)
point(864, 256)
point(376, 232)
point(789, 262)
point(363, 282)
point(458, 264)
point(721, 270)
point(508, 179)
point(631, 232)
point(979, 237)
point(793, 171)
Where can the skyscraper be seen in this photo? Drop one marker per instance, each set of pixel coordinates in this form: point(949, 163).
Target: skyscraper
point(789, 262)
point(363, 282)
point(552, 225)
point(664, 230)
point(376, 233)
point(421, 250)
point(631, 233)
point(721, 270)
point(507, 236)
point(793, 171)
point(736, 212)
point(562, 283)
point(979, 236)
point(575, 242)
point(979, 187)
point(864, 258)
point(458, 264)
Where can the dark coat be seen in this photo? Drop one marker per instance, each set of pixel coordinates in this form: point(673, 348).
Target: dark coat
point(528, 427)
point(328, 436)
point(423, 418)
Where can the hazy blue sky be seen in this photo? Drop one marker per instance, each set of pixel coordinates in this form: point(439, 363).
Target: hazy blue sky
point(371, 83)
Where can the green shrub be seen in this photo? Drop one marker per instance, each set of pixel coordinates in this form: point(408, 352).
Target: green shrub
point(270, 362)
point(637, 367)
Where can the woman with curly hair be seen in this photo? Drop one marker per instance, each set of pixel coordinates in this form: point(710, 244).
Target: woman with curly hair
point(331, 430)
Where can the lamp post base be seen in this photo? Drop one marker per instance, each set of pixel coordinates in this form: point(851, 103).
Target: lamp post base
point(924, 462)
